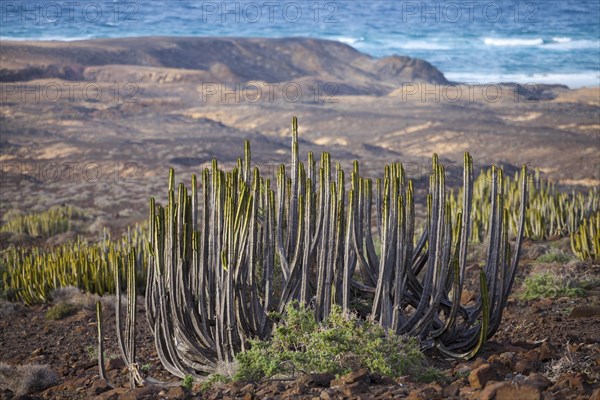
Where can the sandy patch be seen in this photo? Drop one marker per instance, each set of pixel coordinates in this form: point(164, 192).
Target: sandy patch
point(581, 182)
point(328, 140)
point(56, 151)
point(522, 118)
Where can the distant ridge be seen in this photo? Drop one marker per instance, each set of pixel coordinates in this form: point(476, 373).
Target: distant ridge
point(201, 59)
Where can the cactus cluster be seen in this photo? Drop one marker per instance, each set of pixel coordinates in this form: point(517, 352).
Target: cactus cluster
point(585, 242)
point(45, 224)
point(226, 253)
point(550, 213)
point(30, 275)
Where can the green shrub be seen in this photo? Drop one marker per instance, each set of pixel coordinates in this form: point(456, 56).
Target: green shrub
point(341, 343)
point(554, 256)
point(61, 310)
point(213, 380)
point(547, 285)
point(187, 382)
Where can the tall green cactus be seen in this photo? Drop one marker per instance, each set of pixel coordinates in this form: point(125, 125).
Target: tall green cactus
point(235, 249)
point(585, 242)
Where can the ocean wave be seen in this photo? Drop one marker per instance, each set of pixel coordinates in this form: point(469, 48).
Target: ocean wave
point(573, 80)
point(572, 44)
point(50, 38)
point(420, 45)
point(513, 42)
point(349, 40)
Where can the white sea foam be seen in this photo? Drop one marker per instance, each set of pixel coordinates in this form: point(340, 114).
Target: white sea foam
point(513, 42)
point(573, 80)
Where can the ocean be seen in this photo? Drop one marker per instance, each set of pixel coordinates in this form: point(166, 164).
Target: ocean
point(549, 41)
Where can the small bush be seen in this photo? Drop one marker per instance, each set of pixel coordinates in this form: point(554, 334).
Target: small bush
point(554, 256)
point(213, 380)
point(25, 379)
point(340, 344)
point(187, 382)
point(61, 310)
point(547, 285)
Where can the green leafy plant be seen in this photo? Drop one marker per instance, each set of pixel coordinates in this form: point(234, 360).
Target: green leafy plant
point(554, 256)
point(187, 382)
point(213, 380)
point(548, 285)
point(145, 367)
point(339, 344)
point(61, 310)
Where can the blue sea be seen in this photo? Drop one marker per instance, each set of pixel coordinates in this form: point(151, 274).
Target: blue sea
point(542, 41)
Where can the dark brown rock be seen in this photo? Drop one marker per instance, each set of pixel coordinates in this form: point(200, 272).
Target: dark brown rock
point(538, 380)
point(317, 380)
point(178, 392)
point(115, 363)
point(354, 389)
point(585, 311)
point(480, 376)
point(510, 391)
point(546, 351)
point(99, 386)
point(526, 366)
point(452, 389)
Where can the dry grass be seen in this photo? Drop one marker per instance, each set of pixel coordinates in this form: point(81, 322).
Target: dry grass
point(26, 379)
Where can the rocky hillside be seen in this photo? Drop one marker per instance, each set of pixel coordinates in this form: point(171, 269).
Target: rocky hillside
point(202, 59)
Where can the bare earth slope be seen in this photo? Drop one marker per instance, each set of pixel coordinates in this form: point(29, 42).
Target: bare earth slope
point(98, 123)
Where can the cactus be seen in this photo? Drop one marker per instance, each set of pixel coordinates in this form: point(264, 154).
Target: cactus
point(585, 242)
point(233, 249)
point(550, 213)
point(32, 274)
point(45, 224)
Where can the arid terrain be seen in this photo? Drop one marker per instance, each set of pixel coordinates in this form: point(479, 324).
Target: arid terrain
point(97, 124)
point(545, 349)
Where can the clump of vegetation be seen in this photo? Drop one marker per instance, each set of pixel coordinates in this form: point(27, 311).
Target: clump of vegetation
point(45, 224)
point(187, 382)
point(26, 379)
point(339, 344)
point(554, 256)
point(31, 275)
point(548, 285)
point(550, 212)
point(585, 243)
point(213, 380)
point(61, 310)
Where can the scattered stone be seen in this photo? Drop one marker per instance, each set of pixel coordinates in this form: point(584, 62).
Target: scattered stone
point(538, 380)
point(115, 363)
point(142, 393)
point(327, 394)
point(480, 376)
point(452, 389)
point(377, 379)
point(526, 366)
point(510, 391)
point(320, 380)
point(178, 392)
point(546, 351)
point(354, 389)
point(99, 386)
point(114, 394)
point(585, 311)
point(361, 375)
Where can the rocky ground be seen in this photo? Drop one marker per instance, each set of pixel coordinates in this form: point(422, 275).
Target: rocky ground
point(545, 349)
